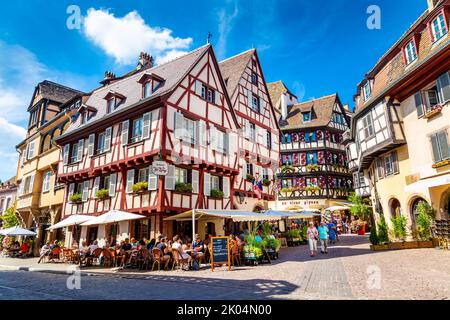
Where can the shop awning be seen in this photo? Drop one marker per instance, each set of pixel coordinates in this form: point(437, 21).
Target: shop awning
point(17, 231)
point(72, 220)
point(338, 208)
point(112, 216)
point(236, 215)
point(428, 183)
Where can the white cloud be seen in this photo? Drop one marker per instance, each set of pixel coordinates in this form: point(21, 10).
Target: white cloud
point(299, 90)
point(123, 38)
point(226, 17)
point(169, 55)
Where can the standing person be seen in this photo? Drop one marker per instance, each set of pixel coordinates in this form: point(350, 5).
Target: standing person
point(323, 236)
point(313, 236)
point(332, 232)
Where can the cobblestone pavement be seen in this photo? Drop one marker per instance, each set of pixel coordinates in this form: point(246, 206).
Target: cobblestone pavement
point(350, 271)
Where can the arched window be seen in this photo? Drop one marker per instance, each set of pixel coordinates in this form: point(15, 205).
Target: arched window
point(415, 204)
point(65, 127)
point(396, 209)
point(47, 143)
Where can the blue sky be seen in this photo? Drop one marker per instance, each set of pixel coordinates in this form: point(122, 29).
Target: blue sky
point(315, 47)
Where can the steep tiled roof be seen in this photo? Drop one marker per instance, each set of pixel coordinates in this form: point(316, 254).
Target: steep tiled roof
point(276, 89)
point(322, 110)
point(56, 92)
point(233, 68)
point(11, 182)
point(172, 72)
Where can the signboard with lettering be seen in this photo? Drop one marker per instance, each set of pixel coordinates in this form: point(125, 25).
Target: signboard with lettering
point(220, 251)
point(160, 168)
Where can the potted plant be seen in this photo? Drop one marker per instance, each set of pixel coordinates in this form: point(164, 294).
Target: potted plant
point(361, 210)
point(312, 167)
point(140, 186)
point(250, 178)
point(423, 221)
point(102, 194)
point(75, 198)
point(287, 169)
point(183, 187)
point(266, 182)
point(216, 194)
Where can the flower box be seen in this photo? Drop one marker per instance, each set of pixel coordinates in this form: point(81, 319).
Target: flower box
point(140, 187)
point(434, 111)
point(395, 245)
point(425, 244)
point(216, 194)
point(76, 198)
point(183, 188)
point(441, 164)
point(410, 245)
point(102, 194)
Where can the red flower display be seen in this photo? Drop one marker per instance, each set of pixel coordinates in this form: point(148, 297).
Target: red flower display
point(319, 134)
point(294, 137)
point(322, 182)
point(321, 157)
point(303, 159)
point(327, 135)
point(328, 157)
point(301, 137)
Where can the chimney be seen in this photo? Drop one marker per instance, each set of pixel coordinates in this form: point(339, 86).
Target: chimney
point(284, 106)
point(145, 60)
point(109, 75)
point(432, 4)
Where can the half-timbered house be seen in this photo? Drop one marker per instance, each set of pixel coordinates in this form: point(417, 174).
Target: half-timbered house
point(178, 114)
point(259, 141)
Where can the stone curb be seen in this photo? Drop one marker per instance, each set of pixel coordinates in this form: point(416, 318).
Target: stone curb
point(51, 271)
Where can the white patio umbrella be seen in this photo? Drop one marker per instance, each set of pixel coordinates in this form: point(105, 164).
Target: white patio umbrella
point(113, 216)
point(72, 220)
point(338, 208)
point(17, 231)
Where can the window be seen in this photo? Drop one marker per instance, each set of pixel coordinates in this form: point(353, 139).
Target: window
point(368, 126)
point(220, 136)
point(30, 150)
point(74, 154)
point(438, 27)
point(84, 117)
point(255, 103)
point(203, 91)
point(390, 164)
point(111, 103)
point(443, 87)
point(432, 97)
point(311, 182)
point(104, 182)
point(441, 148)
point(211, 96)
point(410, 52)
point(215, 183)
point(249, 168)
point(311, 158)
point(252, 131)
point(143, 174)
point(254, 78)
point(269, 140)
point(180, 175)
point(147, 89)
point(34, 117)
point(136, 134)
point(46, 181)
point(306, 116)
point(101, 143)
point(189, 128)
point(367, 91)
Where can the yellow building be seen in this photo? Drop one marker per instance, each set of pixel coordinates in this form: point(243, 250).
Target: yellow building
point(398, 146)
point(39, 199)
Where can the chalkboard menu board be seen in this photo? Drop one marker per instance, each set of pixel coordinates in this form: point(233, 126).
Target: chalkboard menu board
point(220, 251)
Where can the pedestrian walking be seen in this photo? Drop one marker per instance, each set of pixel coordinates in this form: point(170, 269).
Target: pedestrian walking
point(332, 230)
point(313, 236)
point(323, 236)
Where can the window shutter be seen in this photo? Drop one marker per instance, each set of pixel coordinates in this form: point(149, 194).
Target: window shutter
point(146, 125)
point(130, 180)
point(30, 187)
point(152, 180)
point(435, 146)
point(443, 145)
point(24, 155)
point(170, 179)
point(85, 194)
point(108, 134)
point(71, 190)
point(249, 98)
point(226, 187)
point(66, 154)
point(244, 169)
point(195, 181)
point(248, 130)
point(202, 133)
point(217, 97)
point(96, 186)
point(207, 184)
point(91, 144)
point(31, 150)
point(80, 150)
point(112, 184)
point(194, 139)
point(395, 162)
point(125, 130)
point(198, 87)
point(380, 169)
point(419, 103)
point(179, 120)
point(21, 187)
point(232, 142)
point(213, 137)
point(443, 84)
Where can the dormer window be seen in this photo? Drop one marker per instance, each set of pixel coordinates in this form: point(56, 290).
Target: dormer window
point(410, 52)
point(306, 116)
point(111, 105)
point(439, 27)
point(113, 99)
point(367, 91)
point(34, 117)
point(148, 89)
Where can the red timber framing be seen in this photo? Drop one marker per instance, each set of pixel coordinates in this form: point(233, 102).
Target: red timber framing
point(262, 149)
point(210, 113)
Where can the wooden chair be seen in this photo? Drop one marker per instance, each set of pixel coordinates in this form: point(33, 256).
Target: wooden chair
point(66, 254)
point(54, 254)
point(120, 258)
point(143, 259)
point(158, 258)
point(109, 256)
point(94, 257)
point(178, 259)
point(235, 253)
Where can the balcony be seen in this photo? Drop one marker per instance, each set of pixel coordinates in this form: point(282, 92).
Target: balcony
point(433, 111)
point(313, 192)
point(313, 168)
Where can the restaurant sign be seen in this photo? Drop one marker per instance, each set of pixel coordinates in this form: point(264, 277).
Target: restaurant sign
point(220, 253)
point(160, 168)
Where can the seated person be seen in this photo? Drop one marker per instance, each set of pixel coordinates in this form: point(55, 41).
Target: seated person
point(178, 246)
point(126, 245)
point(93, 247)
point(24, 248)
point(151, 244)
point(84, 249)
point(54, 245)
point(162, 246)
point(45, 251)
point(134, 243)
point(198, 247)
